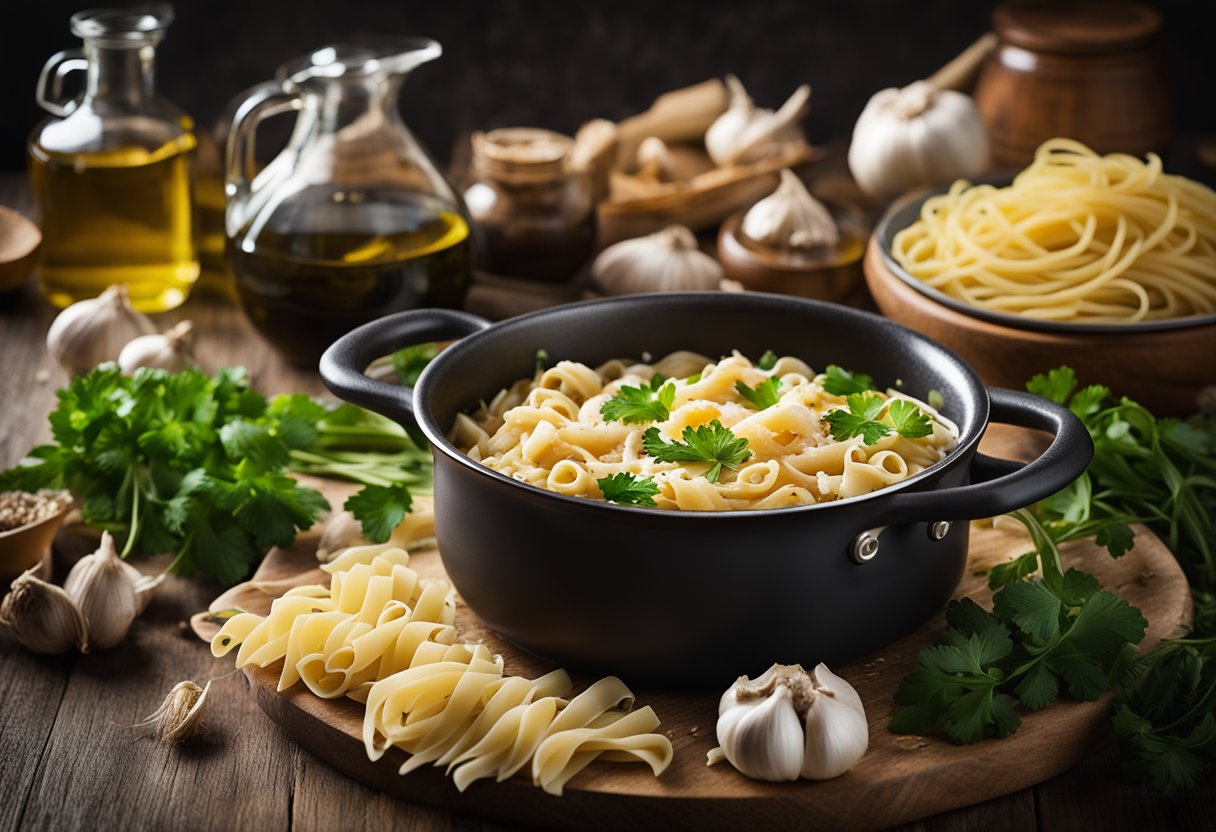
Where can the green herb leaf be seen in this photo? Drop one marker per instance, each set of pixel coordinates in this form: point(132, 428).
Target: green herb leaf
point(380, 509)
point(909, 420)
point(543, 361)
point(638, 405)
point(859, 419)
point(840, 382)
point(712, 444)
point(627, 490)
point(1023, 566)
point(409, 362)
point(764, 395)
point(1056, 386)
point(767, 361)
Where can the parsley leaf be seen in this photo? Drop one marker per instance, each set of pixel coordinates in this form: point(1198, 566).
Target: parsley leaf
point(763, 395)
point(1056, 386)
point(840, 382)
point(767, 361)
point(636, 405)
point(909, 420)
point(627, 490)
point(712, 443)
point(380, 509)
point(858, 420)
point(409, 362)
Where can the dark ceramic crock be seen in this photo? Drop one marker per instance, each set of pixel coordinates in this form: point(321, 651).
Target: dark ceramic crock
point(687, 599)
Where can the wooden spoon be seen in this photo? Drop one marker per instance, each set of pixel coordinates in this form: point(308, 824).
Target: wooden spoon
point(19, 242)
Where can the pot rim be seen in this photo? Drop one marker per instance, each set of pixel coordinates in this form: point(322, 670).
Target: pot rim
point(439, 441)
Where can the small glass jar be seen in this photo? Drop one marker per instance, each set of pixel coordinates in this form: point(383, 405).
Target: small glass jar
point(533, 212)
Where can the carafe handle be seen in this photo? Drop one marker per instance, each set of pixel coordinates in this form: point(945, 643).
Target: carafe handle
point(49, 93)
point(242, 181)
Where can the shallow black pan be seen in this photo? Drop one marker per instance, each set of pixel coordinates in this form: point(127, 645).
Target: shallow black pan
point(698, 598)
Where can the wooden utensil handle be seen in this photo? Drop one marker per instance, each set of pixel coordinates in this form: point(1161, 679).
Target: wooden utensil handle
point(961, 70)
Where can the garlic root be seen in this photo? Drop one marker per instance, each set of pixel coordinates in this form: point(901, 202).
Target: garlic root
point(180, 716)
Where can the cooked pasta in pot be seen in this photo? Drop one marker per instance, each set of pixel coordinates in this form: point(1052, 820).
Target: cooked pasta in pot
point(694, 434)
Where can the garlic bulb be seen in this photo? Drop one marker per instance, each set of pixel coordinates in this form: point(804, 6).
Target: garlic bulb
point(655, 161)
point(788, 723)
point(920, 135)
point(790, 218)
point(666, 261)
point(43, 617)
point(94, 331)
point(746, 133)
point(170, 351)
point(105, 592)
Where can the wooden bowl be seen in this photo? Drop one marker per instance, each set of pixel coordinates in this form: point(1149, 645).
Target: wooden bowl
point(19, 242)
point(24, 546)
point(834, 278)
point(1162, 364)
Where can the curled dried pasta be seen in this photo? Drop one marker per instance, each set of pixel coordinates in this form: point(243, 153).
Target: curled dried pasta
point(556, 437)
point(383, 636)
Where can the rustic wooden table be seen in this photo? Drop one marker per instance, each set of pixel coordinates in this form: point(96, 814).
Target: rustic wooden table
point(72, 760)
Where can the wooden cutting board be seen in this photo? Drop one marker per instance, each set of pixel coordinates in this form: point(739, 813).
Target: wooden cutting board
point(902, 778)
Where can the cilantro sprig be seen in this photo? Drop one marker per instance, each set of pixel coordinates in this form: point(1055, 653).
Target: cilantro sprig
point(764, 395)
point(767, 361)
point(861, 419)
point(380, 509)
point(840, 382)
point(712, 443)
point(651, 402)
point(1061, 632)
point(627, 490)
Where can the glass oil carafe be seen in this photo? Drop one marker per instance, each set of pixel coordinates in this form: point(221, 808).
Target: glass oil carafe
point(352, 220)
point(112, 171)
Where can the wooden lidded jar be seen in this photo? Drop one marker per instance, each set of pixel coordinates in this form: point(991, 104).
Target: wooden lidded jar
point(1092, 70)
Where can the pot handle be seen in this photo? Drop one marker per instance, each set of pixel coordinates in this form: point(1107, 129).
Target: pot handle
point(1002, 485)
point(343, 364)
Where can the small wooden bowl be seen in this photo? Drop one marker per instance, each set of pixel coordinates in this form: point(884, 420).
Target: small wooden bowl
point(24, 546)
point(834, 278)
point(19, 242)
point(1162, 366)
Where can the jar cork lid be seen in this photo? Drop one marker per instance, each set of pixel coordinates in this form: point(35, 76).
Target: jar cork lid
point(1087, 27)
point(522, 154)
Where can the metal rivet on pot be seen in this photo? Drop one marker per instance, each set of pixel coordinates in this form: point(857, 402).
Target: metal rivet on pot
point(864, 548)
point(939, 529)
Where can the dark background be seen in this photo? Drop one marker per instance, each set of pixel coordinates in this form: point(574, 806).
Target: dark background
point(556, 64)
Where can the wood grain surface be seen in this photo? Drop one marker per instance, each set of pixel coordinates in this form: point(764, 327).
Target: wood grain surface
point(71, 761)
point(902, 778)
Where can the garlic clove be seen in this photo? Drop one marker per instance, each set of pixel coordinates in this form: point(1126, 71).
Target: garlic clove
point(666, 261)
point(93, 331)
point(170, 351)
point(746, 133)
point(762, 738)
point(180, 716)
point(837, 734)
point(105, 592)
point(43, 617)
point(790, 218)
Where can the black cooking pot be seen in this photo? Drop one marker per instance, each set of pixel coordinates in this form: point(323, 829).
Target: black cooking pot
point(697, 598)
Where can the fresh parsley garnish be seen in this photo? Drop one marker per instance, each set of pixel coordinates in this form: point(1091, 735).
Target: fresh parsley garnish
point(767, 361)
point(543, 361)
point(380, 509)
point(841, 382)
point(1061, 631)
point(694, 378)
point(627, 490)
point(712, 443)
point(409, 362)
point(763, 395)
point(860, 419)
point(637, 405)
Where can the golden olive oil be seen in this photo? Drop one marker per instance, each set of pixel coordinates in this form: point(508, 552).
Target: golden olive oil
point(314, 272)
point(117, 216)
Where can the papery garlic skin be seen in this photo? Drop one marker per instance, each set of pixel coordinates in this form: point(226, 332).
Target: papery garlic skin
point(341, 531)
point(43, 617)
point(170, 351)
point(915, 136)
point(790, 218)
point(788, 723)
point(93, 331)
point(837, 733)
point(747, 133)
point(666, 261)
point(104, 591)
